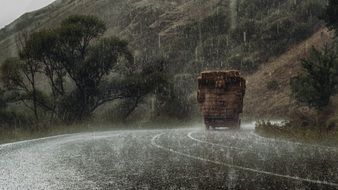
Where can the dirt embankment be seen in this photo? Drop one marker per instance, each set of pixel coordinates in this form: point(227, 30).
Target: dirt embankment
point(266, 103)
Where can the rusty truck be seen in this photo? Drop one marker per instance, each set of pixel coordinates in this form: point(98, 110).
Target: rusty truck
point(220, 96)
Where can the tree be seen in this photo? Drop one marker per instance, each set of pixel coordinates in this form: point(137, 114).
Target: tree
point(318, 83)
point(67, 52)
point(29, 68)
point(101, 60)
point(11, 77)
point(3, 103)
point(40, 48)
point(133, 87)
point(19, 78)
point(83, 70)
point(331, 14)
point(71, 51)
point(87, 64)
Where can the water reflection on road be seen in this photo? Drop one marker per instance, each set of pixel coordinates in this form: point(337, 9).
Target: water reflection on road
point(190, 158)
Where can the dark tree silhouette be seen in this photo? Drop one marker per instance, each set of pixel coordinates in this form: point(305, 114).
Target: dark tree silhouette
point(75, 52)
point(318, 83)
point(331, 15)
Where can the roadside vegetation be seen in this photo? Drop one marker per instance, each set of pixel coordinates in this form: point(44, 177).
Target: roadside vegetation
point(314, 89)
point(20, 133)
point(76, 73)
point(292, 131)
point(64, 75)
point(70, 78)
point(259, 30)
point(272, 85)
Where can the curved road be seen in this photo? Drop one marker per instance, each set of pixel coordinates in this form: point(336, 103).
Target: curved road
point(167, 159)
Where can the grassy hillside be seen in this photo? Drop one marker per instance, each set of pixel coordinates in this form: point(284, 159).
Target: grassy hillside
point(193, 35)
point(206, 33)
point(276, 102)
point(141, 22)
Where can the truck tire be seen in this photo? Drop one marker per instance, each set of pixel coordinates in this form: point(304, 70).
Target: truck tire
point(207, 127)
point(207, 123)
point(238, 126)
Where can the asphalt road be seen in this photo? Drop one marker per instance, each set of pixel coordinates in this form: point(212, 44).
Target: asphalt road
point(190, 158)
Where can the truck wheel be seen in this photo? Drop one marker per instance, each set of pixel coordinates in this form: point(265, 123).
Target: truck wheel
point(238, 126)
point(207, 123)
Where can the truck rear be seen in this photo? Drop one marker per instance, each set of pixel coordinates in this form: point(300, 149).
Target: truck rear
point(220, 96)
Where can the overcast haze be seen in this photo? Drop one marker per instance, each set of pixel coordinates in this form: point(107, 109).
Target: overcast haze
point(13, 9)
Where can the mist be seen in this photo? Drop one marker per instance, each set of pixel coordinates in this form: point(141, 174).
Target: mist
point(10, 10)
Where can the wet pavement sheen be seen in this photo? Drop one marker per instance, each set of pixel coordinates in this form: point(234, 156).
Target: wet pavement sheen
point(167, 159)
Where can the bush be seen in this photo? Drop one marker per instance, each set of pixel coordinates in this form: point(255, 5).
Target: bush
point(272, 85)
point(331, 123)
point(3, 103)
point(10, 119)
point(235, 62)
point(174, 101)
point(248, 65)
point(318, 83)
point(292, 131)
point(271, 27)
point(331, 14)
point(240, 62)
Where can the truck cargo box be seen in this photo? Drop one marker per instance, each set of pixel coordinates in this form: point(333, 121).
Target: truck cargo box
point(220, 96)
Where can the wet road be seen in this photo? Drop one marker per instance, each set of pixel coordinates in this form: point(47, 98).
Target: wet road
point(167, 159)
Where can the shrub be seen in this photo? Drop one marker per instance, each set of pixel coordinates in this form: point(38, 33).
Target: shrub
point(331, 14)
point(3, 103)
point(10, 119)
point(318, 83)
point(292, 131)
point(272, 26)
point(235, 62)
point(174, 101)
point(272, 85)
point(248, 65)
point(240, 62)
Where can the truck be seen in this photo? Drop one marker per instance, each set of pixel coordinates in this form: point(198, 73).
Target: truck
point(220, 96)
